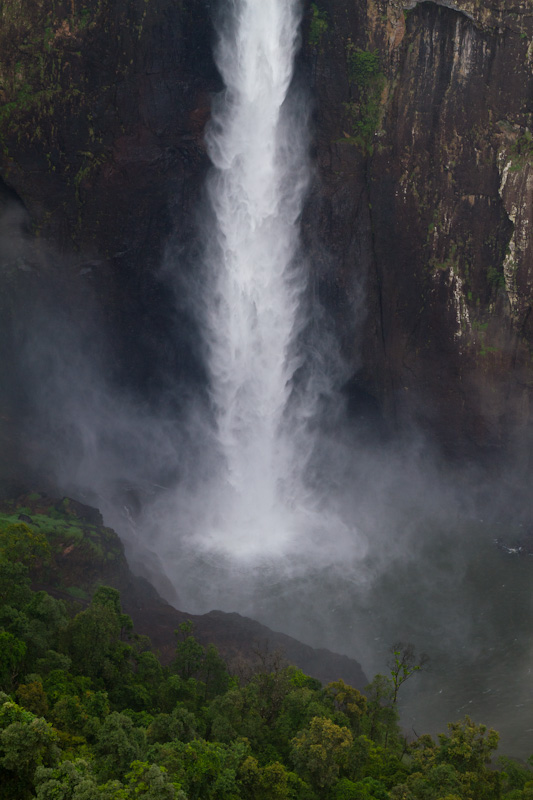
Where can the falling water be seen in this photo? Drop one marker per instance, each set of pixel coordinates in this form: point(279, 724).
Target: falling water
point(256, 191)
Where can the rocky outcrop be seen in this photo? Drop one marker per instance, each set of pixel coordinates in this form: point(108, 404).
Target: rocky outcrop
point(425, 196)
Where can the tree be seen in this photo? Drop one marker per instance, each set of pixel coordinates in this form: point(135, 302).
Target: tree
point(70, 780)
point(231, 716)
point(403, 664)
point(19, 543)
point(468, 747)
point(144, 781)
point(273, 782)
point(457, 765)
point(299, 707)
point(93, 640)
point(14, 584)
point(108, 597)
point(90, 637)
point(320, 750)
point(189, 653)
point(25, 742)
point(348, 700)
point(382, 716)
point(181, 725)
point(205, 770)
point(270, 687)
point(75, 781)
point(118, 744)
point(45, 618)
point(32, 697)
point(515, 775)
point(214, 673)
point(436, 781)
point(12, 652)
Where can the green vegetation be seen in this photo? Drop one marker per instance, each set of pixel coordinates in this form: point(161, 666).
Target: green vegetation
point(318, 25)
point(88, 712)
point(496, 277)
point(368, 81)
point(450, 262)
point(522, 151)
point(481, 331)
point(59, 528)
point(363, 65)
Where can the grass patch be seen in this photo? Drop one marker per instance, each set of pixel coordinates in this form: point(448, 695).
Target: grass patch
point(62, 528)
point(56, 528)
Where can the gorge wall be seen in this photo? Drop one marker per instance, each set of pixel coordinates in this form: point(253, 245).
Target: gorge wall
point(102, 158)
point(417, 223)
point(425, 184)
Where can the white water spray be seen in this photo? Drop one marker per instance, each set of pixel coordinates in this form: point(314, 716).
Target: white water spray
point(245, 518)
point(258, 146)
point(256, 192)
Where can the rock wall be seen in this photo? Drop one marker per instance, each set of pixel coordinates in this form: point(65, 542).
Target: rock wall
point(417, 224)
point(425, 155)
point(104, 108)
point(104, 103)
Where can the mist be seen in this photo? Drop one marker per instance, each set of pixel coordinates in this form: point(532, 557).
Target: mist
point(243, 483)
point(401, 543)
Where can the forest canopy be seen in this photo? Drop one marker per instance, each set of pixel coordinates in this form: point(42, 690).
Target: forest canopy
point(89, 712)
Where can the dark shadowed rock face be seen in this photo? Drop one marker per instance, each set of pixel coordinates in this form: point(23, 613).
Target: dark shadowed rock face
point(102, 127)
point(244, 643)
point(101, 133)
point(430, 211)
point(418, 221)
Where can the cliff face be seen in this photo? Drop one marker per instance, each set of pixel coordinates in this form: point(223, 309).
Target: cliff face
point(104, 108)
point(425, 153)
point(104, 103)
point(418, 222)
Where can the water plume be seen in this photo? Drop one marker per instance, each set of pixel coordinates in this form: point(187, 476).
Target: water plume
point(259, 507)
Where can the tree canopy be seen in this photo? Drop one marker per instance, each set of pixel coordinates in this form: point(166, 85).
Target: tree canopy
point(88, 712)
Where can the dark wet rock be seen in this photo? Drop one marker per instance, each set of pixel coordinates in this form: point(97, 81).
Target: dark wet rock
point(242, 641)
point(429, 213)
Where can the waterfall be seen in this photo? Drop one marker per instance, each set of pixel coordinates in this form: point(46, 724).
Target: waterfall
point(256, 189)
point(256, 504)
